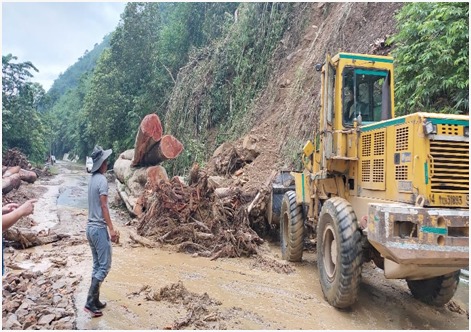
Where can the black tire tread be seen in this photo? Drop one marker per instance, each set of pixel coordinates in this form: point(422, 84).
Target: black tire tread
point(292, 246)
point(342, 292)
point(436, 291)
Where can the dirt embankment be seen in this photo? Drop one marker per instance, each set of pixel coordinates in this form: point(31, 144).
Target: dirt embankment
point(286, 114)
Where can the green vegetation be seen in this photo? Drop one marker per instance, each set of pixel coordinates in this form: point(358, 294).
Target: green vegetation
point(200, 67)
point(220, 82)
point(432, 58)
point(72, 76)
point(22, 125)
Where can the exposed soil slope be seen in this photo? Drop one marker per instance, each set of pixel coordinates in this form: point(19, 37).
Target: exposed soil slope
point(286, 114)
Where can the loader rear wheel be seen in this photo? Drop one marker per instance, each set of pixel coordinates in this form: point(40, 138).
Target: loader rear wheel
point(339, 252)
point(435, 291)
point(291, 228)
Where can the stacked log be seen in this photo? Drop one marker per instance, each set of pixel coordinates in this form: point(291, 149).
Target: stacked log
point(208, 216)
point(140, 167)
point(148, 136)
point(12, 177)
point(167, 148)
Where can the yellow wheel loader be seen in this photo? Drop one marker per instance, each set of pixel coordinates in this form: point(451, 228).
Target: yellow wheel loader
point(375, 187)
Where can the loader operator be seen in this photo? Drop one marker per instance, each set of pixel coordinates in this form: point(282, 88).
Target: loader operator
point(349, 110)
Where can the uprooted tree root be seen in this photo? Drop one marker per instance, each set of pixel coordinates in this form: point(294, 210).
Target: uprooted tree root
point(197, 221)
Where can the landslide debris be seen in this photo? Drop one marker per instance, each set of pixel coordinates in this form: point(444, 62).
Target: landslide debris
point(14, 157)
point(201, 310)
point(199, 218)
point(39, 301)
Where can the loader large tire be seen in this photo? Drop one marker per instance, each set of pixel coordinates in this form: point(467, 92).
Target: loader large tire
point(435, 291)
point(339, 252)
point(291, 228)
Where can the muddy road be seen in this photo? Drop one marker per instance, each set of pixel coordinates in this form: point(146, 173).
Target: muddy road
point(158, 288)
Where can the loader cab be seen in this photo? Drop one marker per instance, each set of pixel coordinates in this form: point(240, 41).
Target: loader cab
point(357, 90)
point(356, 87)
point(365, 96)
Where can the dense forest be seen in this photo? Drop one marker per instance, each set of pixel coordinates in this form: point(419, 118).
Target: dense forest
point(202, 68)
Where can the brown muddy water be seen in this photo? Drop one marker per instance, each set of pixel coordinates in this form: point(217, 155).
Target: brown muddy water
point(247, 296)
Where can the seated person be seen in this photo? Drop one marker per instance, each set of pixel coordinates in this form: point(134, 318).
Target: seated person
point(349, 110)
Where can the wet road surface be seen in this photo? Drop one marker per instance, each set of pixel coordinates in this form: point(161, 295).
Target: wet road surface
point(249, 297)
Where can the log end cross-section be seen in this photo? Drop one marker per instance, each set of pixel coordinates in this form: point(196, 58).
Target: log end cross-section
point(148, 135)
point(170, 147)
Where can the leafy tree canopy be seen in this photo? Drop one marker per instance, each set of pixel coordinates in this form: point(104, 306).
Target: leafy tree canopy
point(431, 58)
point(22, 126)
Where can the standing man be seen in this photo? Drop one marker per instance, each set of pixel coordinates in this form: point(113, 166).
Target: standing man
point(99, 223)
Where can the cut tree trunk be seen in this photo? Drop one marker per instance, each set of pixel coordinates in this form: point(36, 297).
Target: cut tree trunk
point(148, 135)
point(26, 238)
point(124, 196)
point(128, 154)
point(11, 182)
point(137, 181)
point(168, 148)
point(11, 170)
point(28, 176)
point(122, 169)
point(155, 174)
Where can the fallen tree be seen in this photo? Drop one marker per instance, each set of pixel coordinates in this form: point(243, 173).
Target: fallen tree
point(11, 182)
point(136, 167)
point(148, 135)
point(197, 221)
point(13, 173)
point(167, 148)
point(209, 216)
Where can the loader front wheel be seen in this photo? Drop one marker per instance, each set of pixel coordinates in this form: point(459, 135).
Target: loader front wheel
point(339, 252)
point(291, 228)
point(435, 291)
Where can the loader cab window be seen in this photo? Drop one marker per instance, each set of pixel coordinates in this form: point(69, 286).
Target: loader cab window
point(366, 94)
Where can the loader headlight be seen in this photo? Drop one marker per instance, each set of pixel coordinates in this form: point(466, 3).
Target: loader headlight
point(430, 128)
point(466, 131)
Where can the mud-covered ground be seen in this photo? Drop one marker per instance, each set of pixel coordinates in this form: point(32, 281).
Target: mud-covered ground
point(158, 288)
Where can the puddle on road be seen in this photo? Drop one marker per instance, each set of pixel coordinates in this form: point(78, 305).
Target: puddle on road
point(28, 265)
point(73, 197)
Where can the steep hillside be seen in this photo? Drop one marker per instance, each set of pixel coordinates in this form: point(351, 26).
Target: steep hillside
point(70, 78)
point(286, 114)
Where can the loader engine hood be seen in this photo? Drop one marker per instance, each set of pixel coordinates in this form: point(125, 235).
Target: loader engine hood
point(420, 159)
